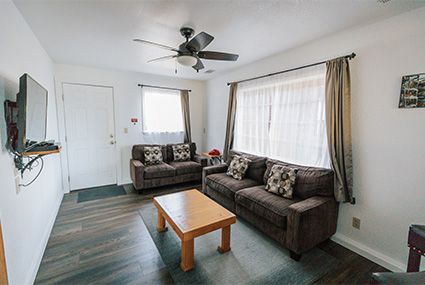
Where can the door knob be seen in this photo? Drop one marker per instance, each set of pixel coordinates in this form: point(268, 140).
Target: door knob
point(111, 142)
point(111, 135)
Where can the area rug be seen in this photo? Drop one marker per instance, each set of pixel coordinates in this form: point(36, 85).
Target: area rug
point(254, 257)
point(100, 193)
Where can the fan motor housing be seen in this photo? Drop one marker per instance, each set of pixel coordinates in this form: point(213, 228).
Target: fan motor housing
point(187, 32)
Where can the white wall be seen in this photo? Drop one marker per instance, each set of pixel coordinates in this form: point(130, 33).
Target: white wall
point(388, 143)
point(127, 98)
point(27, 213)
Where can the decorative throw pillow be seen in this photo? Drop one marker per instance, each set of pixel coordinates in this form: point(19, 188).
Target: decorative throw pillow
point(238, 167)
point(280, 181)
point(153, 155)
point(181, 152)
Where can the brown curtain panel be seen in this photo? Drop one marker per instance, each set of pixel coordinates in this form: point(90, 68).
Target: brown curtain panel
point(338, 124)
point(231, 114)
point(184, 97)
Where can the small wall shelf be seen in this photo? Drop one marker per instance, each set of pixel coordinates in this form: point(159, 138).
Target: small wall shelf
point(42, 152)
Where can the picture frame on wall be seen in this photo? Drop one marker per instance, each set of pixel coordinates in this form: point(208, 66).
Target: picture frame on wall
point(412, 94)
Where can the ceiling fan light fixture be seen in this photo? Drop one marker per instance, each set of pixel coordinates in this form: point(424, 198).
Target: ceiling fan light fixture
point(187, 60)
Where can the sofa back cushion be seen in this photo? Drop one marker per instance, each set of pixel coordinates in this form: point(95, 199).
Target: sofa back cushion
point(138, 153)
point(310, 181)
point(170, 156)
point(256, 168)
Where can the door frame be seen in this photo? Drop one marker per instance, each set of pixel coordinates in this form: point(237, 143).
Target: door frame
point(60, 105)
point(3, 268)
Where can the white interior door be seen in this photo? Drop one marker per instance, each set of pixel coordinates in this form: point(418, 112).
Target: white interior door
point(90, 132)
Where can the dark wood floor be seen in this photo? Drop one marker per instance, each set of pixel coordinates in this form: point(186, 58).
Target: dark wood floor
point(106, 241)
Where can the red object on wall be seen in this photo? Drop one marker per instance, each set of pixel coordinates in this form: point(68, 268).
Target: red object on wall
point(134, 120)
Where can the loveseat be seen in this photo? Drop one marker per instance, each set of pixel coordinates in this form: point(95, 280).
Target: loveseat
point(168, 171)
point(299, 223)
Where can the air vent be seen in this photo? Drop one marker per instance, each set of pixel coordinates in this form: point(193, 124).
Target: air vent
point(383, 1)
point(210, 71)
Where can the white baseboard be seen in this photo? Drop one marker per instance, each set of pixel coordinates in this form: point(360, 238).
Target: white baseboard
point(124, 182)
point(369, 253)
point(37, 260)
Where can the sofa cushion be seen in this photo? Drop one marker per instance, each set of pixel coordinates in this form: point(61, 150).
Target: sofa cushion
point(226, 185)
point(281, 180)
point(183, 167)
point(159, 171)
point(256, 168)
point(170, 156)
point(138, 154)
point(238, 167)
point(310, 181)
point(153, 155)
point(269, 206)
point(181, 152)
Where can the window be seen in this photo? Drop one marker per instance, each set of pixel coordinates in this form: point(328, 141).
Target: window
point(283, 117)
point(162, 110)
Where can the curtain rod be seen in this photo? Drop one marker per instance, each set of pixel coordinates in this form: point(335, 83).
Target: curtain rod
point(349, 56)
point(160, 87)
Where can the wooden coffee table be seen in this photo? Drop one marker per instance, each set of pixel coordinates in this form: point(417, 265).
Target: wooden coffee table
point(192, 214)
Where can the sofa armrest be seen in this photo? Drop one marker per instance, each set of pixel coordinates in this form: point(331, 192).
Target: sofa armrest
point(310, 222)
point(208, 170)
point(137, 170)
point(200, 159)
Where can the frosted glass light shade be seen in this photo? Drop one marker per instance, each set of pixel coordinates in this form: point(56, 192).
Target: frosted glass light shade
point(187, 60)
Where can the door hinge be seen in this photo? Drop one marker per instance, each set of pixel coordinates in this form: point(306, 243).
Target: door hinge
point(63, 97)
point(69, 178)
point(66, 139)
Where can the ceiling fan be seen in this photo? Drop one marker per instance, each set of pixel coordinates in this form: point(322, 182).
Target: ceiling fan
point(191, 51)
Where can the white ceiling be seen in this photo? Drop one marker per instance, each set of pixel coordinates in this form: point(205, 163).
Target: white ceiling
point(100, 33)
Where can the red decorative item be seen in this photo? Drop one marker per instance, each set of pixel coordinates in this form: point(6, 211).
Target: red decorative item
point(214, 152)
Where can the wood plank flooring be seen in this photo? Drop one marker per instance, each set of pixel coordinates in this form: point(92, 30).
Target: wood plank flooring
point(106, 241)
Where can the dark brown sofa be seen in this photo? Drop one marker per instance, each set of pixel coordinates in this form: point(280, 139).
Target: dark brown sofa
point(300, 223)
point(169, 172)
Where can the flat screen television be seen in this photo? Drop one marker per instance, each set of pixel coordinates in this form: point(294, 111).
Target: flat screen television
point(29, 114)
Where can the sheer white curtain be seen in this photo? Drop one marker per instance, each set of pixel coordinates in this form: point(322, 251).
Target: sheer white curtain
point(162, 118)
point(283, 117)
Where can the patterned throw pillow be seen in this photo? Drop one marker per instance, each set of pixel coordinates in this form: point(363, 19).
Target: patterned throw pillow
point(280, 181)
point(181, 152)
point(238, 166)
point(153, 155)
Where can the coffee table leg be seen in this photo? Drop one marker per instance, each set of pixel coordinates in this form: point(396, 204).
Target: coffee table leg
point(161, 222)
point(188, 260)
point(225, 240)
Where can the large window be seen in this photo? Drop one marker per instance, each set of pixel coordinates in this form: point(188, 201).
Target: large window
point(162, 110)
point(283, 117)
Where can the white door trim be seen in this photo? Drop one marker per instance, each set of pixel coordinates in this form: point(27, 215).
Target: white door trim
point(63, 135)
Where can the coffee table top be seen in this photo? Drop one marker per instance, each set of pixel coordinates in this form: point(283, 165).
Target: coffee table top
point(190, 213)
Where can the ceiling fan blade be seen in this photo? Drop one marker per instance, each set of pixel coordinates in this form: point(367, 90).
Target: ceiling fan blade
point(214, 55)
point(199, 42)
point(162, 58)
point(198, 65)
point(155, 44)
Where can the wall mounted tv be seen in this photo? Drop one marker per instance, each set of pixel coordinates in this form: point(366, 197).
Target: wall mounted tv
point(27, 117)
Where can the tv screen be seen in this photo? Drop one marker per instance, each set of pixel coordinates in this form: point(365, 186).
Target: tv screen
point(31, 103)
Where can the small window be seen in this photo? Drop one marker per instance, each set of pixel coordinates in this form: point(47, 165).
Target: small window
point(162, 110)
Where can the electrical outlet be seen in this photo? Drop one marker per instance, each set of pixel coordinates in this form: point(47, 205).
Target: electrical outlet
point(356, 223)
point(125, 130)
